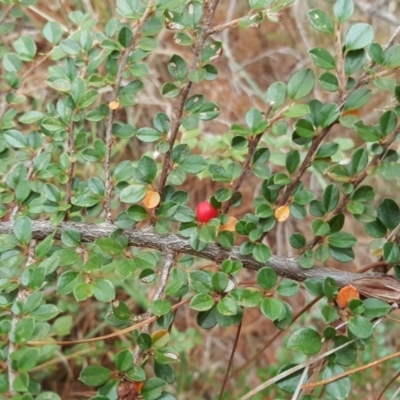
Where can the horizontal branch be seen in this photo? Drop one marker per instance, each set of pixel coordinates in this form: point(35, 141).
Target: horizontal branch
point(146, 237)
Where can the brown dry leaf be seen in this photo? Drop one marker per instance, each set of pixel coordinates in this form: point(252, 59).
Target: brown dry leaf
point(282, 213)
point(152, 199)
point(113, 105)
point(346, 294)
point(386, 288)
point(229, 225)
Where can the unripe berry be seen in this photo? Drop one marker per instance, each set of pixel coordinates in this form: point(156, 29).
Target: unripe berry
point(205, 211)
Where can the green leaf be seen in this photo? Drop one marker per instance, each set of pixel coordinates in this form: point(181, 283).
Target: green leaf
point(288, 288)
point(15, 139)
point(314, 286)
point(45, 312)
point(70, 47)
point(358, 36)
point(297, 240)
point(103, 290)
point(329, 82)
point(148, 134)
point(95, 375)
point(24, 330)
point(343, 10)
point(275, 95)
point(342, 240)
point(289, 383)
point(301, 84)
point(124, 360)
point(152, 388)
point(329, 114)
point(11, 62)
point(52, 32)
point(392, 56)
point(388, 122)
point(23, 229)
point(31, 117)
point(391, 252)
point(330, 198)
point(272, 308)
point(357, 99)
point(369, 133)
point(360, 327)
point(133, 193)
point(160, 307)
point(266, 277)
point(329, 287)
point(340, 389)
point(359, 161)
point(177, 67)
point(389, 213)
point(125, 36)
point(227, 306)
point(322, 58)
point(261, 252)
point(200, 282)
point(375, 308)
point(320, 21)
point(292, 161)
point(67, 281)
point(305, 340)
point(193, 164)
point(25, 46)
point(202, 302)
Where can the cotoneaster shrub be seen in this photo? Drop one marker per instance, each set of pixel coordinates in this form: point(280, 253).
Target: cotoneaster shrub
point(104, 258)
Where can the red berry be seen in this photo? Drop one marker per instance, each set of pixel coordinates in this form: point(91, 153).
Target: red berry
point(205, 211)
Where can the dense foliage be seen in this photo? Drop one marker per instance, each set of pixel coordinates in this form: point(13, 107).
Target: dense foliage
point(96, 214)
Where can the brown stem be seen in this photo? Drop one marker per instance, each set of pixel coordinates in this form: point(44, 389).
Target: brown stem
point(147, 238)
point(166, 167)
point(221, 393)
point(169, 260)
point(303, 167)
point(375, 161)
point(71, 148)
point(340, 61)
point(109, 124)
point(246, 169)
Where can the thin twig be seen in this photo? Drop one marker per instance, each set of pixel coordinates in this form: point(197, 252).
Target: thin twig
point(119, 332)
point(246, 168)
point(298, 392)
point(71, 150)
point(375, 162)
point(304, 165)
point(109, 123)
point(166, 167)
point(221, 393)
point(6, 12)
point(275, 336)
point(169, 260)
point(352, 371)
point(21, 297)
point(340, 61)
point(394, 378)
point(290, 371)
point(299, 367)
